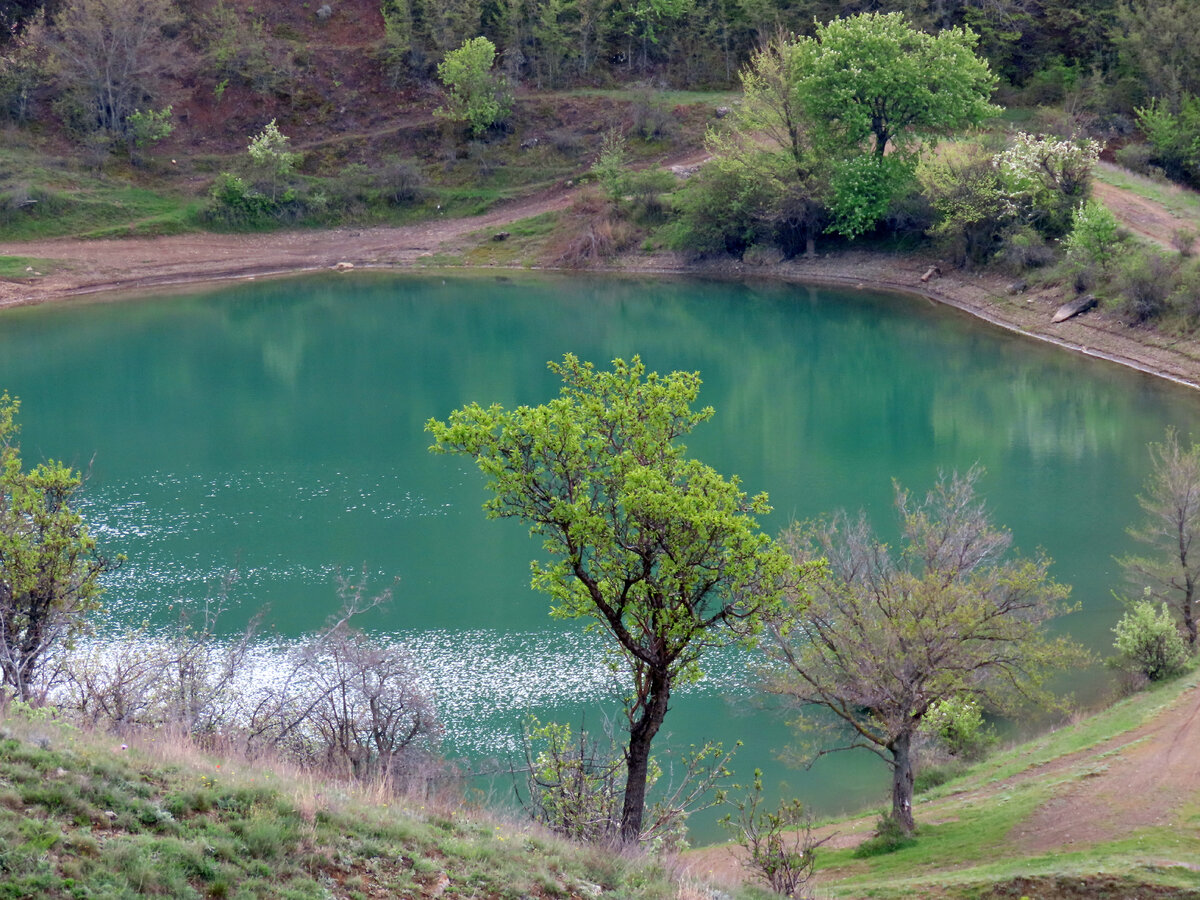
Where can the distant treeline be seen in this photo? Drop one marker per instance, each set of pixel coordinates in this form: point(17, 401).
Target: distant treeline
point(1135, 49)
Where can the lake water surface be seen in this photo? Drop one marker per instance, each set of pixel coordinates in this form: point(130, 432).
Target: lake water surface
point(276, 428)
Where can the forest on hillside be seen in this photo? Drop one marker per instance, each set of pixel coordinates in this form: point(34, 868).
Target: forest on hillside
point(1123, 52)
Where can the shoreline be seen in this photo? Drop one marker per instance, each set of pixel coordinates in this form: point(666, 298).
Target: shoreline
point(139, 265)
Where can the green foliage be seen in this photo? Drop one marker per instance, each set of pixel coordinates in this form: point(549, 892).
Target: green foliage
point(111, 57)
point(574, 782)
point(234, 204)
point(851, 106)
point(1145, 280)
point(396, 48)
point(864, 188)
point(958, 724)
point(659, 550)
point(240, 49)
point(1045, 179)
point(268, 151)
point(889, 837)
point(149, 127)
point(1093, 238)
point(1149, 642)
point(973, 212)
point(774, 852)
point(50, 567)
point(610, 168)
point(888, 635)
point(872, 80)
point(474, 93)
point(1171, 503)
point(1159, 40)
point(1173, 133)
point(724, 208)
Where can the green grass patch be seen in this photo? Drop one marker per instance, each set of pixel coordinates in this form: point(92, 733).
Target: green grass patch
point(524, 245)
point(76, 812)
point(25, 267)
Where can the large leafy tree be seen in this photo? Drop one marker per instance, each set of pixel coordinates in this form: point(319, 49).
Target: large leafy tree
point(887, 636)
point(474, 93)
point(873, 81)
point(49, 565)
point(662, 551)
point(874, 90)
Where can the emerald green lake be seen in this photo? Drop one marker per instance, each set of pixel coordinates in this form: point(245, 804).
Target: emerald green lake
point(276, 428)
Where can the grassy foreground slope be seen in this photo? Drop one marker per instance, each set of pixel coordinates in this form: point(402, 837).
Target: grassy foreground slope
point(1106, 807)
point(85, 816)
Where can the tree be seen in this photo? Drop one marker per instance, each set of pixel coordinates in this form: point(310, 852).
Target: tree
point(115, 56)
point(872, 85)
point(1045, 179)
point(1171, 502)
point(269, 153)
point(474, 94)
point(49, 565)
point(765, 181)
point(659, 549)
point(872, 80)
point(1160, 41)
point(885, 637)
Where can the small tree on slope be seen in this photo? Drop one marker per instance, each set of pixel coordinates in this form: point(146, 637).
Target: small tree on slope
point(887, 636)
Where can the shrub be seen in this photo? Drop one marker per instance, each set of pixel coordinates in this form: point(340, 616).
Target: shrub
point(233, 203)
point(1138, 157)
point(889, 837)
point(777, 850)
point(1149, 642)
point(958, 725)
point(1046, 179)
point(652, 119)
point(241, 51)
point(1144, 282)
point(721, 209)
point(1174, 136)
point(935, 776)
point(1093, 236)
point(1025, 249)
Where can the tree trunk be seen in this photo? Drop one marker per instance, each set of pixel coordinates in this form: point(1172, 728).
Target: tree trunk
point(1189, 612)
point(637, 757)
point(902, 782)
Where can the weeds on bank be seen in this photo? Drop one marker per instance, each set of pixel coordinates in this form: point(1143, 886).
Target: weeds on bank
point(82, 815)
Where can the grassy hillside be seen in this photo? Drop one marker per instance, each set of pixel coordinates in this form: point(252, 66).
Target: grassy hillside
point(1106, 807)
point(84, 815)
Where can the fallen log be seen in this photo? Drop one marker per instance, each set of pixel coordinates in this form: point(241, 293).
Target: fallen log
point(1074, 308)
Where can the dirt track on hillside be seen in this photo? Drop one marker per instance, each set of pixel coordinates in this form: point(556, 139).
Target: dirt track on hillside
point(1146, 777)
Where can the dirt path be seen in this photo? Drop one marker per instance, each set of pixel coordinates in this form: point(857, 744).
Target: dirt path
point(1148, 777)
point(85, 267)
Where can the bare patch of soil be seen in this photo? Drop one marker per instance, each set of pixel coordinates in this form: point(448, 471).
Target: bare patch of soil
point(1148, 779)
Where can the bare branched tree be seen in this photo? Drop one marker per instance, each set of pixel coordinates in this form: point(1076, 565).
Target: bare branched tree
point(115, 56)
point(887, 636)
point(1171, 529)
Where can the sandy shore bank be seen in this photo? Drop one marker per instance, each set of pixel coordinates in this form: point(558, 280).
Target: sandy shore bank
point(138, 264)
